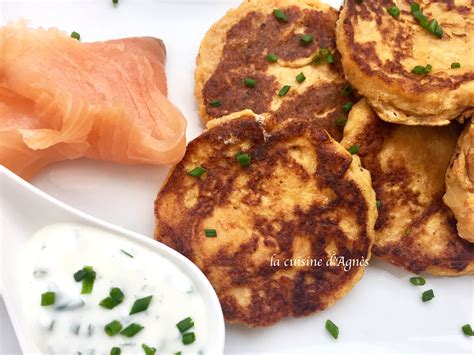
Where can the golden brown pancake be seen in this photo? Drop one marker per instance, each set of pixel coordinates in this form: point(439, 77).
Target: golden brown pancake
point(379, 53)
point(304, 198)
point(460, 184)
point(414, 229)
point(237, 46)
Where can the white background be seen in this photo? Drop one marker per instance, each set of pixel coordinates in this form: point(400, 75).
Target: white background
point(383, 314)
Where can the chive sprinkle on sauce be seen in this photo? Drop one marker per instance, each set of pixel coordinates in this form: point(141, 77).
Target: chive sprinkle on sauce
point(185, 324)
point(141, 305)
point(249, 82)
point(113, 328)
point(280, 15)
point(427, 296)
point(126, 253)
point(417, 281)
point(148, 350)
point(455, 65)
point(243, 159)
point(115, 351)
point(131, 330)
point(354, 149)
point(48, 299)
point(188, 338)
point(215, 103)
point(75, 35)
point(197, 171)
point(210, 233)
point(116, 297)
point(306, 39)
point(87, 275)
point(300, 77)
point(332, 329)
point(284, 90)
point(393, 11)
point(272, 58)
point(467, 330)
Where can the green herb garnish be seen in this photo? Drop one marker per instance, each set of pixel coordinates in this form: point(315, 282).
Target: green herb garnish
point(347, 106)
point(417, 281)
point(148, 350)
point(393, 11)
point(141, 305)
point(341, 121)
point(87, 275)
point(455, 65)
point(131, 330)
point(332, 329)
point(272, 58)
point(354, 149)
point(113, 328)
point(431, 26)
point(197, 171)
point(48, 299)
point(75, 35)
point(466, 329)
point(300, 77)
point(378, 204)
point(427, 296)
point(215, 103)
point(306, 39)
point(346, 90)
point(243, 159)
point(249, 82)
point(188, 338)
point(210, 233)
point(330, 58)
point(280, 15)
point(115, 350)
point(126, 253)
point(421, 70)
point(185, 324)
point(284, 90)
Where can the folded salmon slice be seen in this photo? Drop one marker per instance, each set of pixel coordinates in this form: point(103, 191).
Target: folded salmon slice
point(63, 99)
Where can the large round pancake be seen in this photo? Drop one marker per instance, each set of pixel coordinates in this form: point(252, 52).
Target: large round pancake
point(379, 52)
point(460, 184)
point(303, 197)
point(237, 45)
point(414, 229)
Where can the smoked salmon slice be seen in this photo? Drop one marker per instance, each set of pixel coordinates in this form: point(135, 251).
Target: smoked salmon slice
point(63, 99)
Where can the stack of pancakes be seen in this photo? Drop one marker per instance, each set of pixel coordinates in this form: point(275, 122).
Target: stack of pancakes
point(322, 146)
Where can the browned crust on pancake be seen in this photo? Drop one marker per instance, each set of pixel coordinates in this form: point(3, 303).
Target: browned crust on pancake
point(239, 269)
point(448, 254)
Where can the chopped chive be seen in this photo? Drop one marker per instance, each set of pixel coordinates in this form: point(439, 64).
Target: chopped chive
point(131, 330)
point(393, 11)
point(300, 77)
point(330, 58)
point(79, 275)
point(113, 328)
point(88, 281)
point(431, 26)
point(197, 171)
point(427, 295)
point(177, 353)
point(243, 159)
point(415, 7)
point(188, 338)
point(428, 68)
point(115, 350)
point(341, 121)
point(148, 350)
point(141, 305)
point(126, 253)
point(420, 70)
point(210, 233)
point(249, 82)
point(117, 295)
point(332, 329)
point(280, 15)
point(417, 281)
point(346, 90)
point(378, 204)
point(108, 303)
point(466, 329)
point(272, 58)
point(455, 65)
point(347, 106)
point(75, 35)
point(75, 329)
point(306, 39)
point(48, 299)
point(115, 2)
point(284, 90)
point(185, 324)
point(215, 103)
point(354, 149)
point(323, 52)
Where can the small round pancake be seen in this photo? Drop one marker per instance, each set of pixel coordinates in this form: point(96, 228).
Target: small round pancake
point(460, 184)
point(379, 53)
point(304, 198)
point(414, 229)
point(237, 46)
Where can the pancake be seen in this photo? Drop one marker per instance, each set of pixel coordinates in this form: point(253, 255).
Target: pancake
point(460, 184)
point(303, 198)
point(237, 46)
point(414, 229)
point(379, 53)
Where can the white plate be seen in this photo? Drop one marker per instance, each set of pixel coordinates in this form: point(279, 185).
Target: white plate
point(383, 314)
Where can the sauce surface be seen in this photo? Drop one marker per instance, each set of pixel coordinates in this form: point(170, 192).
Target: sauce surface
point(75, 323)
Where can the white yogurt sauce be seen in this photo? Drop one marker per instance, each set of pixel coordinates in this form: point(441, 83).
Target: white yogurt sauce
point(56, 252)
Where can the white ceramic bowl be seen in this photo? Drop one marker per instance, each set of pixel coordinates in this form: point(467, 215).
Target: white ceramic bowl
point(25, 210)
